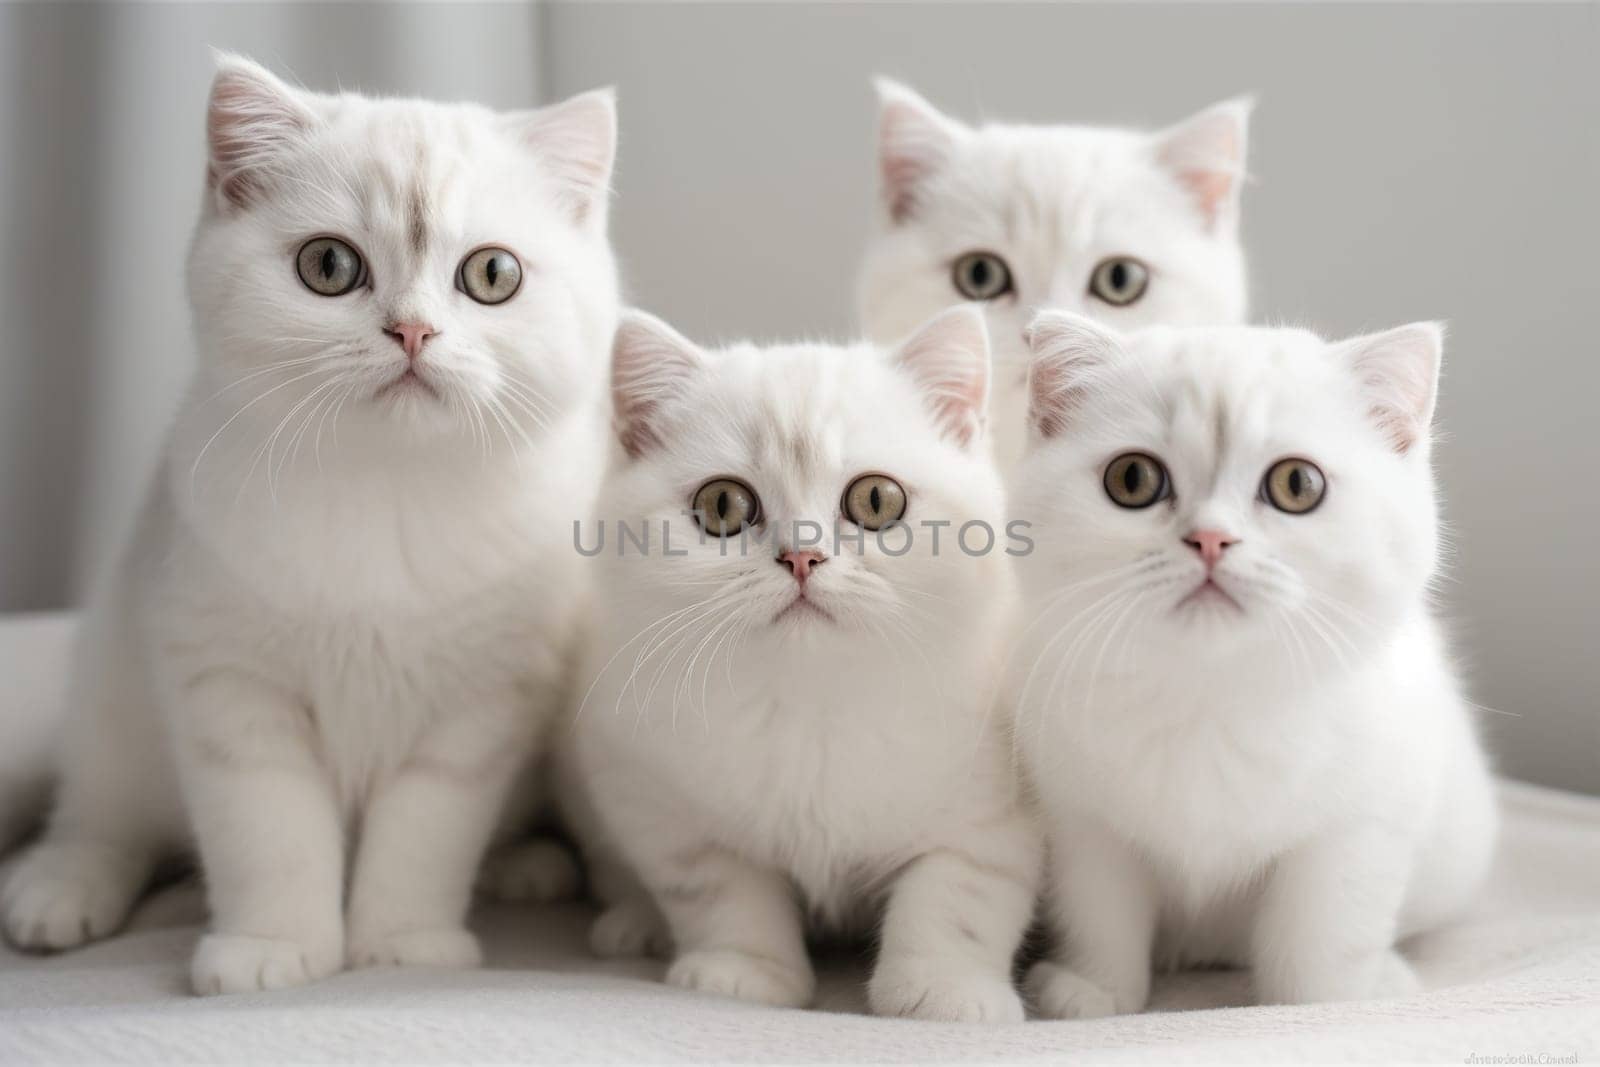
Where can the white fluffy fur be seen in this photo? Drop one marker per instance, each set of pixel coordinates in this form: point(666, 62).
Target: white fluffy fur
point(1291, 784)
point(1053, 202)
point(764, 776)
point(344, 617)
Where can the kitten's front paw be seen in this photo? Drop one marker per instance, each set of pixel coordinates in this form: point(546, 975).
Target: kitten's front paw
point(630, 928)
point(1058, 992)
point(1377, 977)
point(922, 989)
point(450, 947)
point(231, 963)
point(63, 895)
point(730, 973)
point(539, 871)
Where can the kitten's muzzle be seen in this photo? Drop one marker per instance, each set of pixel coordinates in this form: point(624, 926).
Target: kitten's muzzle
point(1209, 545)
point(800, 563)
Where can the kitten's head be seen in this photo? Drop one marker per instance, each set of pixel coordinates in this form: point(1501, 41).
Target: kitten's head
point(431, 272)
point(754, 457)
point(1131, 228)
point(1230, 490)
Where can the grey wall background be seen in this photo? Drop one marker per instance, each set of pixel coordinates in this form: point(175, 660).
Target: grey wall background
point(1412, 161)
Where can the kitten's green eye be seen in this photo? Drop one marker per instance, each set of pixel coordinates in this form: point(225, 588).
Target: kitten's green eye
point(1136, 480)
point(1294, 485)
point(873, 501)
point(981, 276)
point(330, 266)
point(490, 276)
point(1119, 280)
point(724, 506)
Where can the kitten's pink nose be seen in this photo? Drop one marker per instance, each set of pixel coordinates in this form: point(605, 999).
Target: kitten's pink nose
point(1209, 543)
point(800, 564)
point(410, 336)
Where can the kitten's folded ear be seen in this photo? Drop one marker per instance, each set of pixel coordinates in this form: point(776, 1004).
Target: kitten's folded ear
point(252, 117)
point(1206, 153)
point(576, 141)
point(915, 142)
point(651, 363)
point(1399, 374)
point(949, 359)
point(1068, 351)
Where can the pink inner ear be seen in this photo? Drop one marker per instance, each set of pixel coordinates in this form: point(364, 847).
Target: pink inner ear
point(634, 400)
point(1211, 190)
point(1068, 351)
point(1401, 394)
point(1401, 431)
point(230, 145)
point(1051, 397)
point(250, 117)
point(650, 363)
point(903, 169)
point(913, 144)
point(949, 360)
point(899, 177)
point(958, 408)
point(632, 425)
point(1206, 155)
point(1398, 371)
point(576, 141)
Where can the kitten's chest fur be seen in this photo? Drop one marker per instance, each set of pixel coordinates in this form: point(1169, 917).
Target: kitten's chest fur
point(386, 531)
point(1212, 779)
point(379, 611)
point(382, 551)
point(837, 786)
point(1212, 788)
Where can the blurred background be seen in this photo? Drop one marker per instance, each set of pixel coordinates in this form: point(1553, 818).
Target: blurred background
point(1411, 161)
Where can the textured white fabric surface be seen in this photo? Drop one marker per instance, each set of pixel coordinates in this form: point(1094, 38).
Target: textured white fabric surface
point(1520, 978)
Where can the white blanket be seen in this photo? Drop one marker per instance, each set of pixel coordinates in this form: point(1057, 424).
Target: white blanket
point(1520, 979)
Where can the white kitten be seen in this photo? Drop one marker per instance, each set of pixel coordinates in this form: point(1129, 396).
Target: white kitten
point(345, 614)
point(784, 735)
point(1133, 228)
point(1234, 702)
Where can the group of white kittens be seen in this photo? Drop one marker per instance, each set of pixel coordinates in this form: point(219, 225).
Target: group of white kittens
point(1197, 712)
